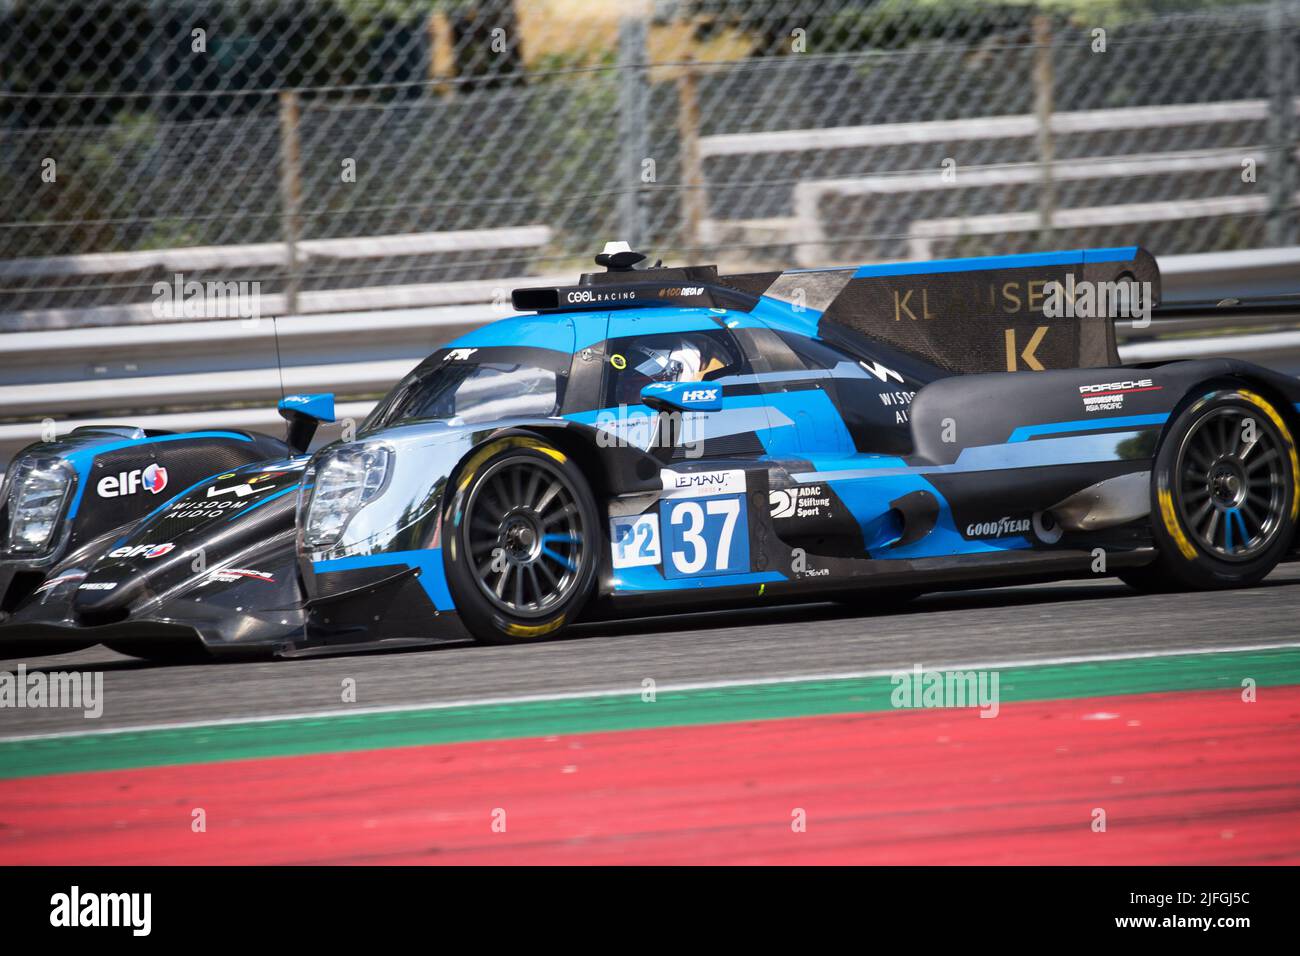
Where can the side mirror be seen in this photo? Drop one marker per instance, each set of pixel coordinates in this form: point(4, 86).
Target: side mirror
point(682, 396)
point(304, 413)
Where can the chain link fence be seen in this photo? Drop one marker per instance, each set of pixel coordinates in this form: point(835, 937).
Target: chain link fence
point(755, 133)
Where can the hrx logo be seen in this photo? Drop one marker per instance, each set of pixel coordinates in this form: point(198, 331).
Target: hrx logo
point(152, 479)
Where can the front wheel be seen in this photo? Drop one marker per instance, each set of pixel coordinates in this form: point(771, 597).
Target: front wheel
point(521, 543)
point(1224, 495)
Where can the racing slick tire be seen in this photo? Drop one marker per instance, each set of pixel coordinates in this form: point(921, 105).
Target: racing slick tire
point(521, 541)
point(1224, 495)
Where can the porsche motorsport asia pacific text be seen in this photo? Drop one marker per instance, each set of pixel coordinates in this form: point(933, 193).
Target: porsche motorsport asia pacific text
point(654, 439)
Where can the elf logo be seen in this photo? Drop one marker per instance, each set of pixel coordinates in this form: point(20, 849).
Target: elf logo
point(149, 551)
point(152, 479)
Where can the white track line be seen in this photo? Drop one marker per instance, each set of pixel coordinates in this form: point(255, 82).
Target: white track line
point(637, 690)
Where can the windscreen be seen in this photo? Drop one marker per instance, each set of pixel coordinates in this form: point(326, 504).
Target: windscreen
point(483, 386)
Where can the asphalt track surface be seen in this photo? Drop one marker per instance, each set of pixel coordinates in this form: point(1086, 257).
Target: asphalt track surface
point(992, 626)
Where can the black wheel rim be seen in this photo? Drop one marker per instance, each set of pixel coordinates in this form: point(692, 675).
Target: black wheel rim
point(1232, 490)
point(525, 537)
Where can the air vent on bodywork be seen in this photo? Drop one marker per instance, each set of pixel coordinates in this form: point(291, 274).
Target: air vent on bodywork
point(536, 300)
point(741, 444)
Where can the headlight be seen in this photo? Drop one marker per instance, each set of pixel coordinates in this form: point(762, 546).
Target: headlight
point(345, 479)
point(37, 491)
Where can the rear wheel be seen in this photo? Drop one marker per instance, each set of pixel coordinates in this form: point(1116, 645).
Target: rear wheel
point(1224, 495)
point(522, 542)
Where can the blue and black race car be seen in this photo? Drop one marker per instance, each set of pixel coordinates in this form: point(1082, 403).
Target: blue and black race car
point(652, 439)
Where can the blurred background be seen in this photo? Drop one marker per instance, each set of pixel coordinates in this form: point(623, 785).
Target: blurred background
point(386, 170)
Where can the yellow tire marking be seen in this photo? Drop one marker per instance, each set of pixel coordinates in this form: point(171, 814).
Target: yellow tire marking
point(1271, 412)
point(490, 449)
point(535, 630)
point(1175, 530)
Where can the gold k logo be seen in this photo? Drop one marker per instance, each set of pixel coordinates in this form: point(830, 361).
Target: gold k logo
point(1031, 362)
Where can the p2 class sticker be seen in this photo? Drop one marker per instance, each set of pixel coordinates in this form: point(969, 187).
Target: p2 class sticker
point(698, 484)
point(634, 540)
point(704, 535)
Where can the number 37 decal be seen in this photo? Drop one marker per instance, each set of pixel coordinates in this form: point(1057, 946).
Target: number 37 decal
point(705, 536)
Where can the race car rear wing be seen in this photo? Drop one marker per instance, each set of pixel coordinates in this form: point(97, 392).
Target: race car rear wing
point(988, 314)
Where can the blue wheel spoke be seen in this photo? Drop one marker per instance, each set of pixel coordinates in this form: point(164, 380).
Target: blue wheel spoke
point(1241, 523)
point(559, 560)
point(573, 538)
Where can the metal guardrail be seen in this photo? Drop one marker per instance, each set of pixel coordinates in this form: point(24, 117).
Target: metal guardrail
point(224, 373)
point(809, 234)
point(184, 263)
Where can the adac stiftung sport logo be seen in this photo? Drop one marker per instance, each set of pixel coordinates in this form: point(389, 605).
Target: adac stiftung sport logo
point(152, 479)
